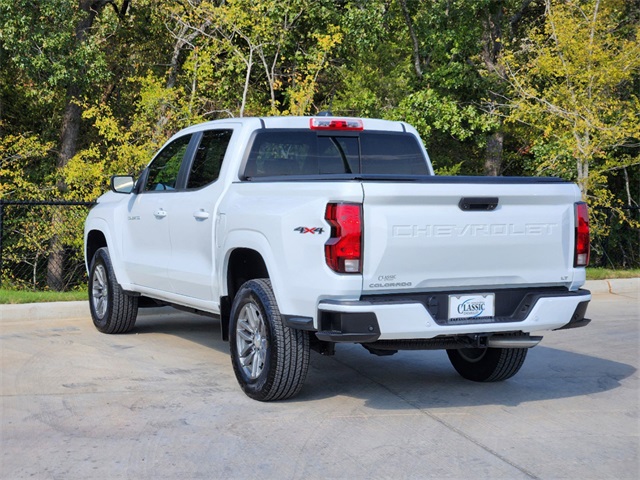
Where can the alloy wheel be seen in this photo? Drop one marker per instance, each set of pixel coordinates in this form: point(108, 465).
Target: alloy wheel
point(251, 340)
point(100, 290)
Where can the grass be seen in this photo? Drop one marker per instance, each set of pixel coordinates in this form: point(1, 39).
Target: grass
point(608, 273)
point(28, 296)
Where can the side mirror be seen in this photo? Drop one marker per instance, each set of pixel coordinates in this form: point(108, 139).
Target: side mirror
point(122, 183)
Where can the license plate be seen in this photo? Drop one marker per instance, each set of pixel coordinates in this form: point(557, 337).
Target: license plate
point(469, 307)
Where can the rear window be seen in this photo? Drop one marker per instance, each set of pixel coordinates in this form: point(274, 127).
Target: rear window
point(303, 152)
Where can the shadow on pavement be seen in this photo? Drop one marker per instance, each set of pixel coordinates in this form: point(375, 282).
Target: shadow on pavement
point(416, 379)
point(427, 380)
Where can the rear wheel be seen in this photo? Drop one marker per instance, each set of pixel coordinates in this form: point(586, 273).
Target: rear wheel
point(270, 359)
point(112, 311)
point(487, 364)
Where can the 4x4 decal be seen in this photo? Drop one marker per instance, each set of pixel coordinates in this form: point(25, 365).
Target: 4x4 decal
point(311, 230)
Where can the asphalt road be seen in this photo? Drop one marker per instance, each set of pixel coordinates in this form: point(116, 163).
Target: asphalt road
point(163, 403)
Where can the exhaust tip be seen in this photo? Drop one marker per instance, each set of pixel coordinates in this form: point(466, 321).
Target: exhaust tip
point(513, 341)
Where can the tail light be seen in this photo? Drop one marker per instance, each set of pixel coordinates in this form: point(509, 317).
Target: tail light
point(582, 249)
point(343, 251)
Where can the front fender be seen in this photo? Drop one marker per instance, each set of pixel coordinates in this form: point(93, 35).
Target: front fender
point(98, 224)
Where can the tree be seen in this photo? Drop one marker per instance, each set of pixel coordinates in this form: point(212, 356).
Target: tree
point(283, 46)
point(437, 65)
point(51, 43)
point(575, 79)
point(90, 88)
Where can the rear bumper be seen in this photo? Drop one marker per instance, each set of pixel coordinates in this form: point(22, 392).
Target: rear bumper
point(401, 318)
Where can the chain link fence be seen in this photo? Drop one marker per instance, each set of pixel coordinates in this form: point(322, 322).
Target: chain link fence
point(41, 245)
point(620, 248)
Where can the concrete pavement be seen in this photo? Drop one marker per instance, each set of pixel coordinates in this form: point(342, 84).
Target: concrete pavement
point(616, 285)
point(162, 403)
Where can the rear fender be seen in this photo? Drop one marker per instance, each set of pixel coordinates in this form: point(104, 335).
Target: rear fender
point(251, 240)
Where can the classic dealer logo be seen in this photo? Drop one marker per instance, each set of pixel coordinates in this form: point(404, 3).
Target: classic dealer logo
point(472, 308)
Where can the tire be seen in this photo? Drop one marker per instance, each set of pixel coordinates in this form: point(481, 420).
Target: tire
point(487, 364)
point(112, 311)
point(270, 360)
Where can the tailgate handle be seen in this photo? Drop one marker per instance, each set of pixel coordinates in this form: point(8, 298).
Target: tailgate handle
point(469, 204)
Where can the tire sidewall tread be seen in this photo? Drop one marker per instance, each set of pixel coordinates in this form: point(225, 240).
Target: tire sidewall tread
point(287, 360)
point(496, 365)
point(122, 309)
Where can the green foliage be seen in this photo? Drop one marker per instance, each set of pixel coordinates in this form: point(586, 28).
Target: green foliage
point(14, 297)
point(21, 166)
point(430, 111)
point(373, 71)
point(574, 79)
point(557, 80)
point(609, 273)
point(442, 121)
point(40, 37)
point(27, 244)
point(122, 148)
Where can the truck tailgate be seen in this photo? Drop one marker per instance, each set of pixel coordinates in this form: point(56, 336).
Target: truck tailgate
point(420, 236)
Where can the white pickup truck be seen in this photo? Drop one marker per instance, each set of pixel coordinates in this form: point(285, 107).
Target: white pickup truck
point(299, 233)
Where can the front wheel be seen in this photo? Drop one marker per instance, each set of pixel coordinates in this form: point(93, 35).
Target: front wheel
point(112, 310)
point(487, 364)
point(270, 359)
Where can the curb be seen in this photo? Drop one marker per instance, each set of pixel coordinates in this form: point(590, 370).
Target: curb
point(61, 310)
point(44, 311)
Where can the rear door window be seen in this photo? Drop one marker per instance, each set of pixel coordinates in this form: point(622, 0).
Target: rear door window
point(208, 158)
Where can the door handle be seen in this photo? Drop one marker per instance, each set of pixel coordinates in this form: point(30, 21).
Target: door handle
point(160, 213)
point(200, 215)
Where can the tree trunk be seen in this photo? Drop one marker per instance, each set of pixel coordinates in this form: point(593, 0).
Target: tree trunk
point(245, 90)
point(491, 52)
point(493, 159)
point(55, 263)
point(417, 61)
point(183, 39)
point(583, 175)
point(69, 141)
